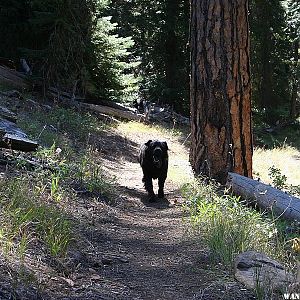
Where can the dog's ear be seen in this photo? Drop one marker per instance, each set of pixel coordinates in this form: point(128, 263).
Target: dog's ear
point(165, 145)
point(148, 143)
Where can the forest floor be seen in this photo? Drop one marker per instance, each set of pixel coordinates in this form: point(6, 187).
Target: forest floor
point(140, 250)
point(125, 247)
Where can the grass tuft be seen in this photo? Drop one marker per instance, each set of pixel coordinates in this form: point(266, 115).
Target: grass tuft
point(90, 176)
point(60, 126)
point(25, 218)
point(228, 226)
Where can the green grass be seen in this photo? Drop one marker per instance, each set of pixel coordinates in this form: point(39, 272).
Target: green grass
point(26, 217)
point(229, 227)
point(60, 126)
point(285, 158)
point(288, 136)
point(32, 201)
point(90, 176)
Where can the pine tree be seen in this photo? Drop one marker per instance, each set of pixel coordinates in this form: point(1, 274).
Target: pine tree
point(269, 55)
point(160, 32)
point(293, 29)
point(220, 89)
point(69, 43)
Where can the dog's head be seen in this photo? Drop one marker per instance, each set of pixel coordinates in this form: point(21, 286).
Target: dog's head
point(158, 152)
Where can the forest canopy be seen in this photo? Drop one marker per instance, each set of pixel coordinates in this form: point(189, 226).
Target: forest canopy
point(122, 50)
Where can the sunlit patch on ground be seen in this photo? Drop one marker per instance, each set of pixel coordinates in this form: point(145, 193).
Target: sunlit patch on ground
point(179, 167)
point(286, 158)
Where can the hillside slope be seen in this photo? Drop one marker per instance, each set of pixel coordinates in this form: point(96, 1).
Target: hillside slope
point(82, 225)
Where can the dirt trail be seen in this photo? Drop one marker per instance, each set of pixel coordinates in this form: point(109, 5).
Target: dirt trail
point(134, 249)
point(159, 261)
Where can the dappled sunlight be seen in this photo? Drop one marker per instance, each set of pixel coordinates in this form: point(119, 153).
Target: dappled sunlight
point(285, 158)
point(151, 131)
point(180, 171)
point(179, 168)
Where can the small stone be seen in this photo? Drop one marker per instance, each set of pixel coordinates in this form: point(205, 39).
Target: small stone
point(252, 268)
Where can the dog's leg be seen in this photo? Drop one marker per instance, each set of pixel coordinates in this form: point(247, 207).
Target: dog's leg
point(149, 187)
point(161, 183)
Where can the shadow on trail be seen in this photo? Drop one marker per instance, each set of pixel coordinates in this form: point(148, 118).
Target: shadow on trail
point(144, 198)
point(157, 203)
point(114, 147)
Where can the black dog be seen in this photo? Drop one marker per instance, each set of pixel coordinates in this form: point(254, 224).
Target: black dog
point(153, 159)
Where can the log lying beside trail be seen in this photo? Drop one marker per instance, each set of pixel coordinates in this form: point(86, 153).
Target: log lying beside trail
point(13, 77)
point(115, 110)
point(112, 111)
point(14, 142)
point(65, 96)
point(265, 196)
point(7, 114)
point(116, 105)
point(12, 137)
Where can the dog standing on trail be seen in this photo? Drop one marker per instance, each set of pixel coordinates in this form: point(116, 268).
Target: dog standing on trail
point(153, 158)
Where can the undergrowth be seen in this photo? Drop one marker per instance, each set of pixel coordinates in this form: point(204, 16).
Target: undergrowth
point(32, 200)
point(279, 181)
point(25, 217)
point(229, 227)
point(61, 126)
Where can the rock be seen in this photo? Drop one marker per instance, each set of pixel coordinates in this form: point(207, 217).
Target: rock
point(256, 269)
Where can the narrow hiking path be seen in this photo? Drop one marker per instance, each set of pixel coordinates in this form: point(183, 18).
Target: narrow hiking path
point(161, 259)
point(125, 248)
point(141, 250)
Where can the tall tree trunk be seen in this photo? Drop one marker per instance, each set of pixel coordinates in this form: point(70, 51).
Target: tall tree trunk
point(171, 47)
point(293, 113)
point(266, 94)
point(266, 99)
point(220, 88)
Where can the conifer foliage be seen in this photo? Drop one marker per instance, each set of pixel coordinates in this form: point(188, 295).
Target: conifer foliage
point(124, 49)
point(274, 28)
point(293, 30)
point(69, 43)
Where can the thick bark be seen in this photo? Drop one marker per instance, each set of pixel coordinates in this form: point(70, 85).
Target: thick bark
point(220, 88)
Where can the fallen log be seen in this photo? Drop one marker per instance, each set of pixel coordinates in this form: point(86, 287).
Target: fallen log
point(265, 196)
point(112, 111)
point(100, 110)
point(116, 105)
point(13, 78)
point(56, 93)
point(14, 142)
point(65, 96)
point(12, 137)
point(11, 128)
point(7, 114)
